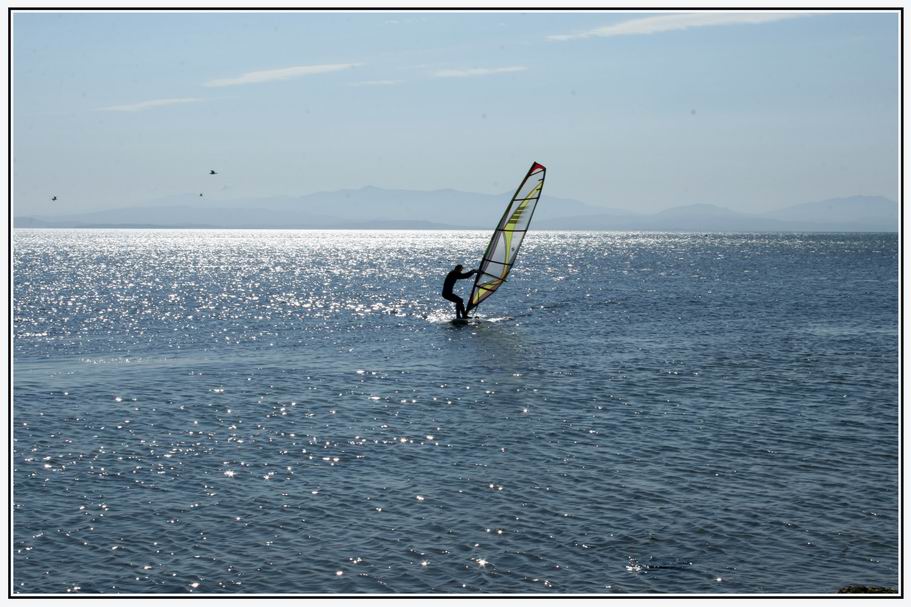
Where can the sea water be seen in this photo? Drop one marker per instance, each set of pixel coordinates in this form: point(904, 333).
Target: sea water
point(293, 412)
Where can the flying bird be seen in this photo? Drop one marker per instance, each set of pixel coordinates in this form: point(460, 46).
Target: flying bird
point(212, 172)
point(53, 198)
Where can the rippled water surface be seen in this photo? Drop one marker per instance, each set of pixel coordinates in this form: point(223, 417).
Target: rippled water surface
point(293, 412)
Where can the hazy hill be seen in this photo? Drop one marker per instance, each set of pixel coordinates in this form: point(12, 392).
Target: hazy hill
point(361, 208)
point(855, 214)
point(873, 212)
point(445, 207)
point(370, 207)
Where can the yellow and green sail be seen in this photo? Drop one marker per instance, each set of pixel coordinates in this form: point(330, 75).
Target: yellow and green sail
point(507, 237)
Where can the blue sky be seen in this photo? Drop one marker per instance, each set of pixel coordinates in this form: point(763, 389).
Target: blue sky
point(752, 111)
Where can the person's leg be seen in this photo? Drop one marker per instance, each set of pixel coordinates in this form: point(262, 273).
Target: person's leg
point(460, 305)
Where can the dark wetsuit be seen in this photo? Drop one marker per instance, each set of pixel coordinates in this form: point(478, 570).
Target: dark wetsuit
point(449, 283)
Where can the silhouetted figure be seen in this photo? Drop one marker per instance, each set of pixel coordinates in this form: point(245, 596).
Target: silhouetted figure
point(212, 172)
point(53, 198)
point(449, 283)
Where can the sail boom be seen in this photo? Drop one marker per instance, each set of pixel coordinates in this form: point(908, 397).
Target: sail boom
point(494, 276)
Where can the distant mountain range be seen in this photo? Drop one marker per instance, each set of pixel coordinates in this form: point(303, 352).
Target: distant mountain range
point(377, 208)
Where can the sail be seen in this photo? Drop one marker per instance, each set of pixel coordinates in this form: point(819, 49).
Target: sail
point(507, 237)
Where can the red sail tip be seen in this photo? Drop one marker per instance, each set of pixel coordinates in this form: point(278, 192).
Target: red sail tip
point(536, 167)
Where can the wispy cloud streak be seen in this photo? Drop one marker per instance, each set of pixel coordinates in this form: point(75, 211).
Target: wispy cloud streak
point(147, 105)
point(285, 73)
point(478, 71)
point(376, 83)
point(675, 22)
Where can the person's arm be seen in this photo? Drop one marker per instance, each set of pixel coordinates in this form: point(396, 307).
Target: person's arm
point(467, 274)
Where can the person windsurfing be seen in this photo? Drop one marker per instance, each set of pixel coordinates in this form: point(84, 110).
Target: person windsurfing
point(454, 275)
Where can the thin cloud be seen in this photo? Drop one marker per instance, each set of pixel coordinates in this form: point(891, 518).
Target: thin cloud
point(376, 83)
point(675, 22)
point(146, 105)
point(285, 73)
point(477, 71)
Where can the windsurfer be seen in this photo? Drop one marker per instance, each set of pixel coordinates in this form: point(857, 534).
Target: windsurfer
point(454, 275)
